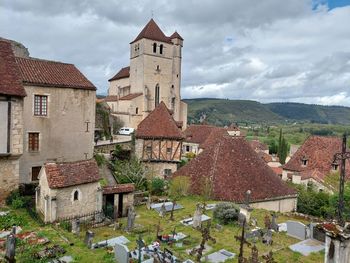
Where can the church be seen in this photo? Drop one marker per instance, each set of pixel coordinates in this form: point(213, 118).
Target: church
point(154, 75)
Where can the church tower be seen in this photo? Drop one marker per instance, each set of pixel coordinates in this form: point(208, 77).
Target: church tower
point(155, 72)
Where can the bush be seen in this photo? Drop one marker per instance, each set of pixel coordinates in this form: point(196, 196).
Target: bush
point(190, 155)
point(157, 186)
point(15, 200)
point(9, 220)
point(226, 213)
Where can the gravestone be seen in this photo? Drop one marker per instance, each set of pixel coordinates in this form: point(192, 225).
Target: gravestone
point(254, 222)
point(76, 226)
point(219, 256)
point(11, 247)
point(296, 229)
point(162, 210)
point(149, 202)
point(274, 225)
point(197, 217)
point(131, 218)
point(267, 237)
point(255, 233)
point(89, 235)
point(121, 253)
point(317, 233)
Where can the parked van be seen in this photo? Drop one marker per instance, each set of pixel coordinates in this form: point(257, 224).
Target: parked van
point(126, 131)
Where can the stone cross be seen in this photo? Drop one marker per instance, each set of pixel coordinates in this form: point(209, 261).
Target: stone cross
point(197, 218)
point(242, 241)
point(89, 235)
point(11, 247)
point(267, 238)
point(254, 258)
point(131, 218)
point(205, 230)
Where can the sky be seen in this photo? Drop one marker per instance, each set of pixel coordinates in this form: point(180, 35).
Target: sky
point(269, 51)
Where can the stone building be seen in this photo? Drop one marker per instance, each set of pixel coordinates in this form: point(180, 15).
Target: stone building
point(58, 114)
point(159, 142)
point(313, 161)
point(117, 199)
point(228, 167)
point(154, 75)
point(11, 120)
point(68, 189)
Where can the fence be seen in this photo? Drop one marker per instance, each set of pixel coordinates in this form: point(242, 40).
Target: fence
point(86, 221)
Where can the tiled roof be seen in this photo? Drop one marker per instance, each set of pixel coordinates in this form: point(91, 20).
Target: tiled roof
point(119, 188)
point(234, 168)
point(61, 175)
point(123, 73)
point(319, 152)
point(233, 127)
point(277, 170)
point(126, 97)
point(153, 32)
point(10, 82)
point(258, 146)
point(159, 124)
point(47, 73)
point(266, 157)
point(176, 35)
point(198, 133)
point(213, 137)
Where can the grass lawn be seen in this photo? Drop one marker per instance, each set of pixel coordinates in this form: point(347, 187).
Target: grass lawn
point(149, 220)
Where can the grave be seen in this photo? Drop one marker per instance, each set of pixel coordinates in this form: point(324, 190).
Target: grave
point(210, 206)
point(17, 230)
point(111, 242)
point(219, 256)
point(121, 253)
point(254, 233)
point(282, 227)
point(308, 246)
point(207, 248)
point(189, 221)
point(296, 229)
point(89, 235)
point(168, 206)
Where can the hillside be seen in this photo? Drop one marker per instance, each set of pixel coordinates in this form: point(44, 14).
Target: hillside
point(223, 112)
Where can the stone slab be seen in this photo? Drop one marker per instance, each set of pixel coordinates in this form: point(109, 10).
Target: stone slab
point(207, 248)
point(168, 206)
point(296, 229)
point(111, 242)
point(179, 236)
point(282, 227)
point(210, 206)
point(308, 246)
point(189, 221)
point(219, 256)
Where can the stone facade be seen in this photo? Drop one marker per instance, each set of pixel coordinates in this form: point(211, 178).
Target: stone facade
point(156, 74)
point(128, 200)
point(278, 205)
point(58, 203)
point(9, 160)
point(65, 134)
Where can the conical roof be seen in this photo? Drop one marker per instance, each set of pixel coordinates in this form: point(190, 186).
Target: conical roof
point(233, 167)
point(159, 124)
point(153, 32)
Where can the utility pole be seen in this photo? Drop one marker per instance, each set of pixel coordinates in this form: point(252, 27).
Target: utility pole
point(342, 157)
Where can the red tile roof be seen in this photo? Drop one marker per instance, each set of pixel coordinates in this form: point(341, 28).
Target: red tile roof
point(198, 133)
point(126, 97)
point(153, 32)
point(10, 81)
point(119, 188)
point(176, 35)
point(159, 124)
point(234, 167)
point(277, 170)
point(258, 146)
point(61, 175)
point(265, 156)
point(123, 73)
point(319, 152)
point(47, 73)
point(213, 137)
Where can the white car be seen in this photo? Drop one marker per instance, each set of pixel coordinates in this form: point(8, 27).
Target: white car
point(126, 131)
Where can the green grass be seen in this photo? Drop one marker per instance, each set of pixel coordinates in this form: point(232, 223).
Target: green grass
point(149, 220)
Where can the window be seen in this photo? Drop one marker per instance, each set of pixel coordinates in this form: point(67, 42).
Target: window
point(149, 149)
point(158, 69)
point(156, 102)
point(335, 166)
point(161, 49)
point(167, 172)
point(137, 110)
point(169, 150)
point(304, 162)
point(76, 195)
point(40, 105)
point(35, 173)
point(173, 103)
point(33, 142)
point(154, 47)
point(187, 148)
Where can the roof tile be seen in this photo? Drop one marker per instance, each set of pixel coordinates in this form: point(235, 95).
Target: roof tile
point(153, 32)
point(123, 73)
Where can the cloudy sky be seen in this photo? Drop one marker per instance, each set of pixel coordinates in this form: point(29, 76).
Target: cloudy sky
point(270, 50)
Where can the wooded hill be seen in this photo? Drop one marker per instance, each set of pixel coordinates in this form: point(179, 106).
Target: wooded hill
point(222, 112)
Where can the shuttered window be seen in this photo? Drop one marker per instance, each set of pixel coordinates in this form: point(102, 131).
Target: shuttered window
point(33, 142)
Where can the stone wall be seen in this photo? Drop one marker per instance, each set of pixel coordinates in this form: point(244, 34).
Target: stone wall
point(9, 163)
point(281, 205)
point(157, 168)
point(63, 133)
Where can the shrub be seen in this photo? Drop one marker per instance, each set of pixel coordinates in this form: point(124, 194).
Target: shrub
point(157, 186)
point(15, 200)
point(190, 155)
point(10, 220)
point(226, 213)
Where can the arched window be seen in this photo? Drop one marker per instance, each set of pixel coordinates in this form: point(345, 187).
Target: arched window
point(156, 96)
point(76, 195)
point(161, 49)
point(173, 104)
point(154, 47)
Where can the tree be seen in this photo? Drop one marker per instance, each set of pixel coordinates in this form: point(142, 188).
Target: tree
point(282, 151)
point(179, 187)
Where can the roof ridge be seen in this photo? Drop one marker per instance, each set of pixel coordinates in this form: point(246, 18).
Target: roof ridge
point(45, 60)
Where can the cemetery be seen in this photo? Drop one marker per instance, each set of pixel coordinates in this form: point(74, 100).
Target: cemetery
point(147, 235)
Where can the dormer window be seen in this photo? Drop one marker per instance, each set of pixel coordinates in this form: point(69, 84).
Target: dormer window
point(335, 166)
point(304, 161)
point(161, 49)
point(154, 47)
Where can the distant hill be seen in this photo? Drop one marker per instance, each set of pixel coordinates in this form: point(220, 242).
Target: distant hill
point(224, 112)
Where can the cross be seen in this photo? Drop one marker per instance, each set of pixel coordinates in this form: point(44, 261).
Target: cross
point(343, 156)
point(242, 241)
